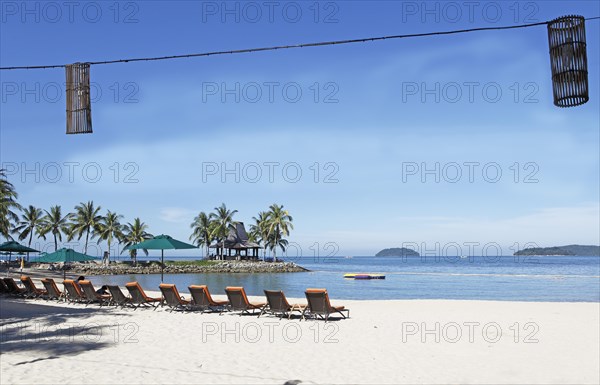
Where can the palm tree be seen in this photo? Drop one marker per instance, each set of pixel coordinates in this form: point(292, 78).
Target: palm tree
point(202, 231)
point(8, 205)
point(53, 222)
point(223, 220)
point(109, 228)
point(260, 230)
point(31, 222)
point(85, 220)
point(280, 224)
point(134, 233)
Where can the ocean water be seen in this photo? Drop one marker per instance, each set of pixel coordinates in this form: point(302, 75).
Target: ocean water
point(508, 278)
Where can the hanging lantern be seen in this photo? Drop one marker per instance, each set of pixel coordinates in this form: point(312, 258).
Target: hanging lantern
point(568, 58)
point(79, 108)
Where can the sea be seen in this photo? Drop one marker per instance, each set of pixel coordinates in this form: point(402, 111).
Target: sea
point(498, 278)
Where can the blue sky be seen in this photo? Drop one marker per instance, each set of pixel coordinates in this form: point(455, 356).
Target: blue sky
point(371, 118)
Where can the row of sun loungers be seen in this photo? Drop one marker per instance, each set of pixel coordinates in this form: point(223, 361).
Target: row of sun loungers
point(317, 306)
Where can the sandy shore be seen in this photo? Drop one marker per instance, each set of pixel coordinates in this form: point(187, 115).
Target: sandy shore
point(384, 342)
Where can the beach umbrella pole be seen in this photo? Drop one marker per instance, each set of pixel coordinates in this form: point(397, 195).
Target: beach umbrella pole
point(161, 242)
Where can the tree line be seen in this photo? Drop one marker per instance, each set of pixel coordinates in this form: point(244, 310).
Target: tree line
point(86, 221)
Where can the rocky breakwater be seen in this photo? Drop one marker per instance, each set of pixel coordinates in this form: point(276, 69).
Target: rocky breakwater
point(191, 268)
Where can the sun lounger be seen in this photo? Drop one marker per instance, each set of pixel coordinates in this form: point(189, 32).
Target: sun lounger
point(320, 307)
point(90, 294)
point(117, 297)
point(73, 291)
point(3, 287)
point(31, 290)
point(238, 301)
point(139, 297)
point(52, 291)
point(13, 288)
point(202, 300)
point(172, 298)
point(277, 304)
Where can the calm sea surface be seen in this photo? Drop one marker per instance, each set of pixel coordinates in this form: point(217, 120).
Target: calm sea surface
point(510, 278)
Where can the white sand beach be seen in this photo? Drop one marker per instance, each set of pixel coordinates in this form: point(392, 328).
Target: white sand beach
point(384, 342)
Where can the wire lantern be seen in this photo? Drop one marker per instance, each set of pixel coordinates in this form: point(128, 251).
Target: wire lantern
point(79, 108)
point(568, 58)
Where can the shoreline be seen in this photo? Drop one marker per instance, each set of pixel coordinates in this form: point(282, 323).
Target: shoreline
point(57, 275)
point(218, 280)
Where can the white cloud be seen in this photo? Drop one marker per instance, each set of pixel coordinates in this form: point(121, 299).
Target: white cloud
point(176, 215)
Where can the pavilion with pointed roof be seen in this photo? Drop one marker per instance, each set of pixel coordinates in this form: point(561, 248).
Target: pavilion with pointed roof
point(237, 242)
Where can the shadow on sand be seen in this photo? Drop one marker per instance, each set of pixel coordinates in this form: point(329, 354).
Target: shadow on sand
point(46, 332)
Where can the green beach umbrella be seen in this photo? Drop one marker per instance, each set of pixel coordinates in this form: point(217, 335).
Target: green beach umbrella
point(15, 247)
point(162, 243)
point(65, 256)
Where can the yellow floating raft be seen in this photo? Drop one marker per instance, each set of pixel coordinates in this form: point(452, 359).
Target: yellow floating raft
point(364, 276)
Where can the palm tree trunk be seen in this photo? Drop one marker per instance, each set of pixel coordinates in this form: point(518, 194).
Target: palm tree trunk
point(30, 238)
point(55, 242)
point(223, 249)
point(277, 237)
point(87, 235)
point(108, 240)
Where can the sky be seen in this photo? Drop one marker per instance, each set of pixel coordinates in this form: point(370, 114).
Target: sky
point(446, 144)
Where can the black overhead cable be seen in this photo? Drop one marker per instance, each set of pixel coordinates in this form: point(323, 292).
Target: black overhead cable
point(305, 45)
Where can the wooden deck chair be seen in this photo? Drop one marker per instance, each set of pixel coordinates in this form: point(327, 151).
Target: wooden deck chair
point(139, 297)
point(90, 294)
point(13, 288)
point(52, 289)
point(202, 300)
point(238, 301)
point(73, 291)
point(172, 298)
point(117, 298)
point(277, 304)
point(320, 307)
point(31, 290)
point(3, 287)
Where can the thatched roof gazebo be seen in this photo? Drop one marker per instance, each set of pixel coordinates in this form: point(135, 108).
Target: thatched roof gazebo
point(237, 240)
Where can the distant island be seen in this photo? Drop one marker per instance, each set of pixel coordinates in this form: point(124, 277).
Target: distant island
point(562, 250)
point(397, 252)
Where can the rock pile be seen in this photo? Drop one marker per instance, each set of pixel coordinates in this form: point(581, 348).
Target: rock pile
point(215, 267)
